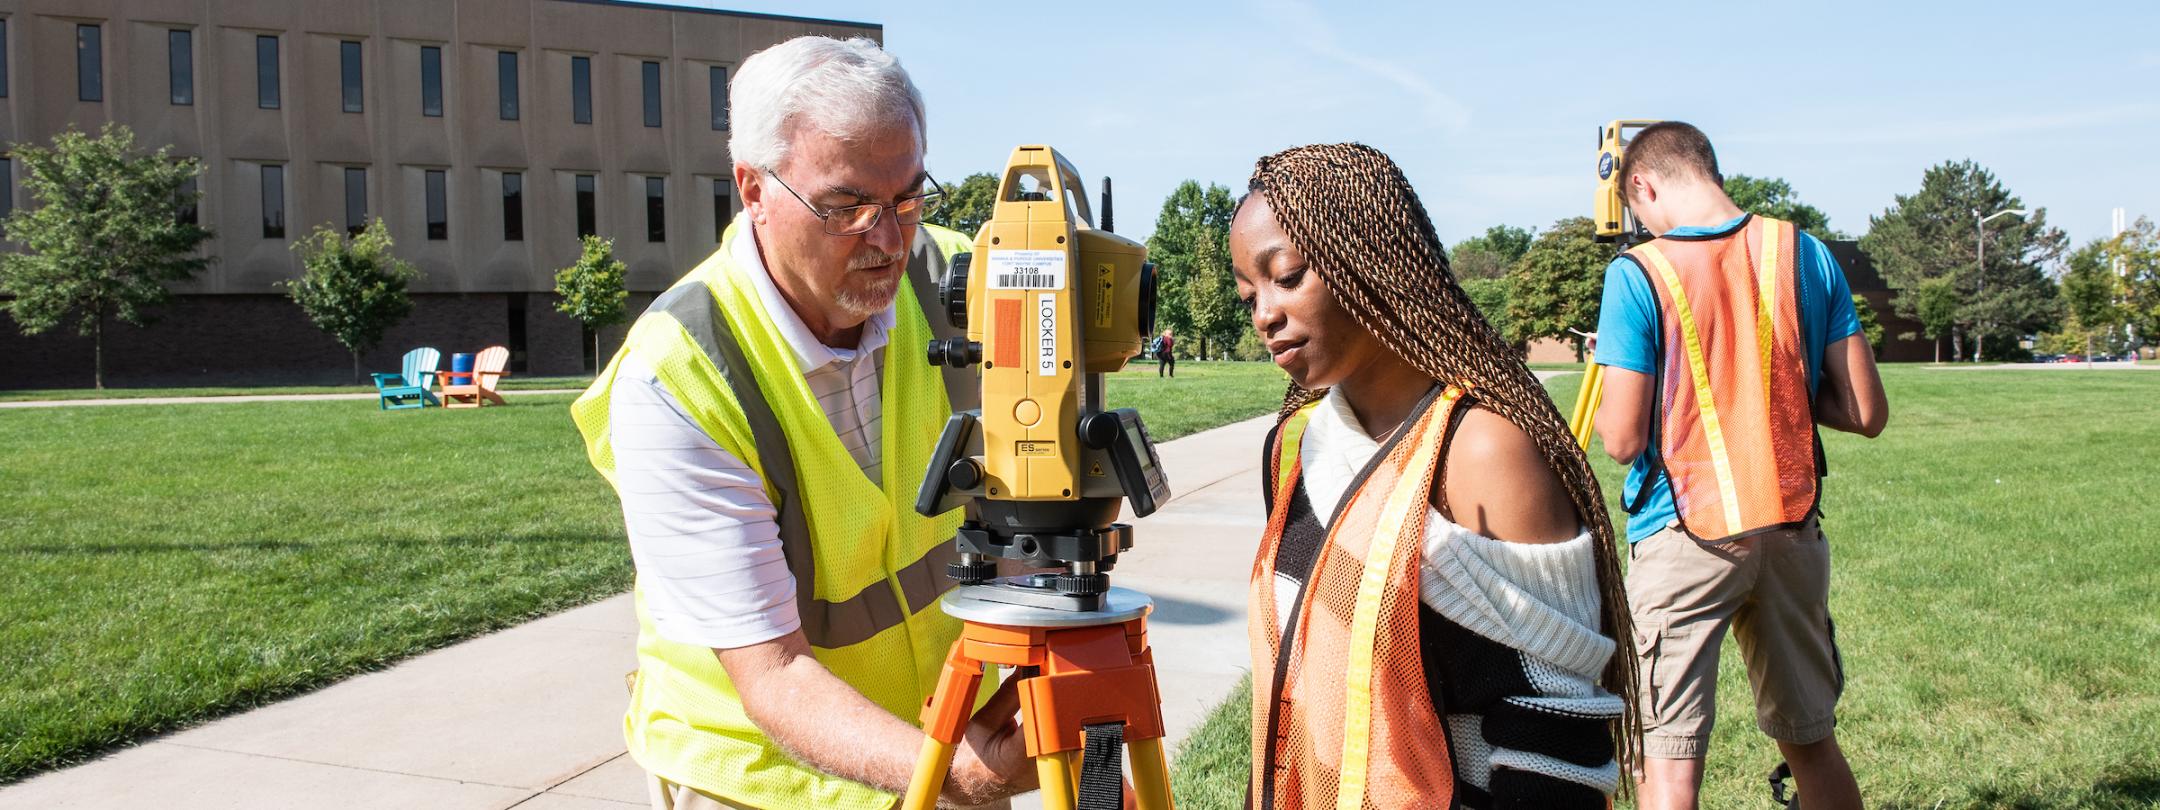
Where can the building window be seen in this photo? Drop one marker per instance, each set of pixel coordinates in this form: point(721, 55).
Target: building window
point(588, 218)
point(180, 64)
point(3, 57)
point(186, 212)
point(652, 94)
point(431, 81)
point(349, 75)
point(273, 202)
point(580, 90)
point(506, 82)
point(719, 98)
point(89, 63)
point(355, 200)
point(655, 209)
point(266, 72)
point(438, 205)
point(513, 207)
point(723, 207)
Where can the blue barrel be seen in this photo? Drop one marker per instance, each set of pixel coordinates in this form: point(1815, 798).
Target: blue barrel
point(462, 361)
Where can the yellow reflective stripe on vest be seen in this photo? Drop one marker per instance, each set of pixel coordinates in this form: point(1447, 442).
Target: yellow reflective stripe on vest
point(1287, 442)
point(1766, 284)
point(1365, 612)
point(1698, 371)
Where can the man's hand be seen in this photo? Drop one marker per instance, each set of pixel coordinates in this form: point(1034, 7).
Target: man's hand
point(991, 761)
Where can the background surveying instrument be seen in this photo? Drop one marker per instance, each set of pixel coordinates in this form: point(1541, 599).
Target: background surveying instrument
point(1050, 304)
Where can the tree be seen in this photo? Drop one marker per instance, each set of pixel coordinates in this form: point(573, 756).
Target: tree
point(967, 205)
point(351, 287)
point(1188, 211)
point(103, 236)
point(1489, 255)
point(1556, 286)
point(2135, 256)
point(1870, 328)
point(1935, 306)
point(1930, 235)
point(592, 289)
point(1491, 297)
point(1774, 198)
point(1211, 294)
point(2092, 298)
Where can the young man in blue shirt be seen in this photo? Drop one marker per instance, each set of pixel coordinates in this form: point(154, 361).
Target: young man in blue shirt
point(1770, 582)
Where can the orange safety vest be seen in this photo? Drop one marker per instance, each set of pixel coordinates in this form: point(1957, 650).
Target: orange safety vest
point(1349, 721)
point(1735, 424)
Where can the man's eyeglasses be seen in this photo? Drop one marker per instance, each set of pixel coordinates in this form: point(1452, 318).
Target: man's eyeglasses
point(854, 219)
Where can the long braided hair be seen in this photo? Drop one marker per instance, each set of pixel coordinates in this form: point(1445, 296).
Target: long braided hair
point(1349, 209)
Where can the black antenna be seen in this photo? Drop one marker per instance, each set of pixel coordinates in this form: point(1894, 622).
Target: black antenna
point(1106, 219)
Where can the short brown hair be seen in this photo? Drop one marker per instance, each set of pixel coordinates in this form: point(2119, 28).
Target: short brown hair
point(1671, 149)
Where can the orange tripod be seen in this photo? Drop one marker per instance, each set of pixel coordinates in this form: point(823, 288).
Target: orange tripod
point(1091, 669)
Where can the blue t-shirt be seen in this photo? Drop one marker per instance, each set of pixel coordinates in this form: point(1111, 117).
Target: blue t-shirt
point(1628, 338)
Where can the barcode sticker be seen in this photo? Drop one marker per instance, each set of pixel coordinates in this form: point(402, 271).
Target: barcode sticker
point(1027, 269)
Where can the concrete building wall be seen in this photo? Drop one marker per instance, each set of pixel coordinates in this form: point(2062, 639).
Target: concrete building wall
point(471, 276)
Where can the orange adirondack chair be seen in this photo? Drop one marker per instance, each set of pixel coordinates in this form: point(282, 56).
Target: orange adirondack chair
point(471, 389)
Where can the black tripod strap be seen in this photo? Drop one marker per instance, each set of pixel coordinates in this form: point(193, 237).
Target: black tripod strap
point(1102, 769)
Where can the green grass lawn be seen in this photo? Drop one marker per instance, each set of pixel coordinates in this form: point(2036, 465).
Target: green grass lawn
point(510, 383)
point(160, 565)
point(1997, 595)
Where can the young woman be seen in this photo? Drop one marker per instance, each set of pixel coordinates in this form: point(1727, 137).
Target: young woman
point(1436, 598)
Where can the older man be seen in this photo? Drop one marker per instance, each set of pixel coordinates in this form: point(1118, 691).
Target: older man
point(767, 446)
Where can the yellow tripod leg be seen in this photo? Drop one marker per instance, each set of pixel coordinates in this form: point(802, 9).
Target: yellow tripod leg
point(930, 767)
point(1150, 775)
point(1054, 771)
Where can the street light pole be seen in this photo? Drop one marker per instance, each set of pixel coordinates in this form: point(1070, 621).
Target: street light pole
point(1980, 253)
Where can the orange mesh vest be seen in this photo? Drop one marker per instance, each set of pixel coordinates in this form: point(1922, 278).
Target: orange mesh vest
point(1347, 720)
point(1734, 425)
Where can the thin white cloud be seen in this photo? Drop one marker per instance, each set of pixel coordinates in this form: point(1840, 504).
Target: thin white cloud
point(1864, 134)
point(1302, 23)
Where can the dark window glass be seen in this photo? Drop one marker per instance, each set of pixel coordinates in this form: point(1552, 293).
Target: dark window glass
point(723, 207)
point(349, 74)
point(652, 94)
point(506, 81)
point(186, 212)
point(588, 218)
point(719, 98)
point(266, 73)
point(580, 90)
point(431, 81)
point(355, 200)
point(3, 57)
point(273, 202)
point(180, 63)
point(438, 205)
point(89, 63)
point(655, 209)
point(7, 186)
point(513, 207)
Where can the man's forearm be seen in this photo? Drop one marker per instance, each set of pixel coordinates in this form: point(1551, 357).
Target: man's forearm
point(822, 721)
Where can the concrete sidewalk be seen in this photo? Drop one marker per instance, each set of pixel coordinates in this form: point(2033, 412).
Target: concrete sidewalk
point(531, 717)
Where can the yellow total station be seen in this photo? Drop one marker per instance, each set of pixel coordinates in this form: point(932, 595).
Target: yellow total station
point(1610, 213)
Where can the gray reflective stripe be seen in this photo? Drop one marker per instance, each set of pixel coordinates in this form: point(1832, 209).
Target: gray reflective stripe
point(825, 624)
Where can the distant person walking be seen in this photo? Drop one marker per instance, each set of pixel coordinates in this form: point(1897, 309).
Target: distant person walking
point(1166, 354)
point(1725, 341)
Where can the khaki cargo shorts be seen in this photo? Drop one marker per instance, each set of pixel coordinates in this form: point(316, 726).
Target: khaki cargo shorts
point(1773, 589)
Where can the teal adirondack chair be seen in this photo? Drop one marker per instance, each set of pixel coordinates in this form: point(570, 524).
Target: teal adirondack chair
point(413, 387)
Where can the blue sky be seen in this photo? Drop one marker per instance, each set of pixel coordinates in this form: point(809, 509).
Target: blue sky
point(1491, 108)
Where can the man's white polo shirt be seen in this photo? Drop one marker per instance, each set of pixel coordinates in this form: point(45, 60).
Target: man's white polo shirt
point(702, 532)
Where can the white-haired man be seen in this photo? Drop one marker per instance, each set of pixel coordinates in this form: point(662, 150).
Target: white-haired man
point(766, 446)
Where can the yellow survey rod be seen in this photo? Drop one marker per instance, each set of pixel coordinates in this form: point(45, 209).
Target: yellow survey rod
point(1586, 400)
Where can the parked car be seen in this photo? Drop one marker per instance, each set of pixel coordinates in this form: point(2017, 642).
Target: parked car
point(2071, 358)
point(2045, 358)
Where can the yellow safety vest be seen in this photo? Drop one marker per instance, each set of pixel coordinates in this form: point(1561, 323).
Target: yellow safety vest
point(868, 569)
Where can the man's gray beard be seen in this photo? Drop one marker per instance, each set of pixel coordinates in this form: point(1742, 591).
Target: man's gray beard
point(863, 303)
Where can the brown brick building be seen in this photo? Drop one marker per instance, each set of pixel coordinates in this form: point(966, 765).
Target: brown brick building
point(487, 134)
